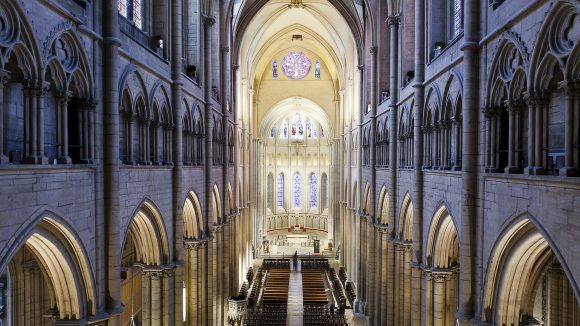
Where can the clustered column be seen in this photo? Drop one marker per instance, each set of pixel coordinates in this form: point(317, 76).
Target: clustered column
point(571, 117)
point(4, 77)
point(62, 100)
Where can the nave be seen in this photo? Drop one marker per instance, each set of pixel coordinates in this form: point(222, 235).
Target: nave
point(298, 292)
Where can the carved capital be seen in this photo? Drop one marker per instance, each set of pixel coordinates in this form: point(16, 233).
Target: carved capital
point(208, 20)
point(394, 20)
point(488, 112)
point(191, 245)
point(4, 77)
point(373, 50)
point(570, 87)
point(63, 96)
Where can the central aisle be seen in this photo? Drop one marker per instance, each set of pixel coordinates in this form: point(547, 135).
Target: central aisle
point(295, 306)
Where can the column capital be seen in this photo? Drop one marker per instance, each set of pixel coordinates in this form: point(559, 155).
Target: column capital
point(4, 76)
point(570, 87)
point(394, 20)
point(488, 111)
point(251, 91)
point(403, 246)
point(63, 95)
point(373, 50)
point(538, 97)
point(208, 20)
point(190, 244)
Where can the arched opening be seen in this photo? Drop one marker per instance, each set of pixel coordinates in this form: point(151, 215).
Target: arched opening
point(48, 278)
point(441, 273)
point(195, 253)
point(144, 278)
point(526, 283)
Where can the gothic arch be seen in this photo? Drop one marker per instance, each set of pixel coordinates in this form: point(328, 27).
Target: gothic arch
point(405, 227)
point(367, 199)
point(50, 244)
point(521, 260)
point(19, 40)
point(193, 224)
point(442, 248)
point(147, 230)
point(383, 214)
point(553, 47)
point(216, 205)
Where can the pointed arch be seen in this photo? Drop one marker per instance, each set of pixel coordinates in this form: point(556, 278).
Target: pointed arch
point(147, 231)
point(383, 214)
point(193, 224)
point(216, 205)
point(367, 201)
point(53, 245)
point(405, 227)
point(442, 241)
point(520, 261)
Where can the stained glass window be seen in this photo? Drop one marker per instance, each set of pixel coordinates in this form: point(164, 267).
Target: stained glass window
point(317, 70)
point(122, 7)
point(275, 69)
point(297, 127)
point(297, 190)
point(273, 132)
point(313, 190)
point(132, 10)
point(138, 13)
point(456, 17)
point(284, 130)
point(296, 65)
point(324, 191)
point(280, 193)
point(310, 129)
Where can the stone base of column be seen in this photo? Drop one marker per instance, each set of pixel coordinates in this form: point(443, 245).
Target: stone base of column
point(86, 161)
point(492, 170)
point(145, 163)
point(35, 160)
point(511, 170)
point(65, 160)
point(4, 159)
point(456, 168)
point(67, 322)
point(568, 171)
point(538, 170)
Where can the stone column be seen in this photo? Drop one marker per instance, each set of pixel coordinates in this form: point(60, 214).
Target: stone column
point(168, 301)
point(33, 313)
point(110, 82)
point(192, 280)
point(530, 99)
point(512, 108)
point(4, 77)
point(130, 122)
point(41, 90)
point(155, 298)
point(571, 89)
point(383, 232)
point(398, 288)
point(419, 99)
point(541, 101)
point(439, 297)
point(427, 300)
point(30, 120)
point(407, 276)
point(62, 100)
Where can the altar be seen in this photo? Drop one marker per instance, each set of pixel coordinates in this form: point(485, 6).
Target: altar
point(297, 238)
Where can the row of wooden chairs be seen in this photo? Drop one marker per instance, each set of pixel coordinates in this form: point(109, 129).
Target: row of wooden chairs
point(267, 315)
point(350, 292)
point(255, 290)
point(342, 275)
point(313, 289)
point(276, 263)
point(315, 264)
point(336, 287)
point(315, 315)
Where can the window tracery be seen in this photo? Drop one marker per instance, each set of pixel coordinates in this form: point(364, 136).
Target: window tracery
point(297, 191)
point(313, 191)
point(296, 65)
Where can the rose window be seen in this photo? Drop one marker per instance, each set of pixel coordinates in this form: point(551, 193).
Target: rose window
point(296, 65)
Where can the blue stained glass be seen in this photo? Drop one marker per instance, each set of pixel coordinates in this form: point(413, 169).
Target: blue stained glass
point(284, 130)
point(280, 193)
point(297, 190)
point(313, 190)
